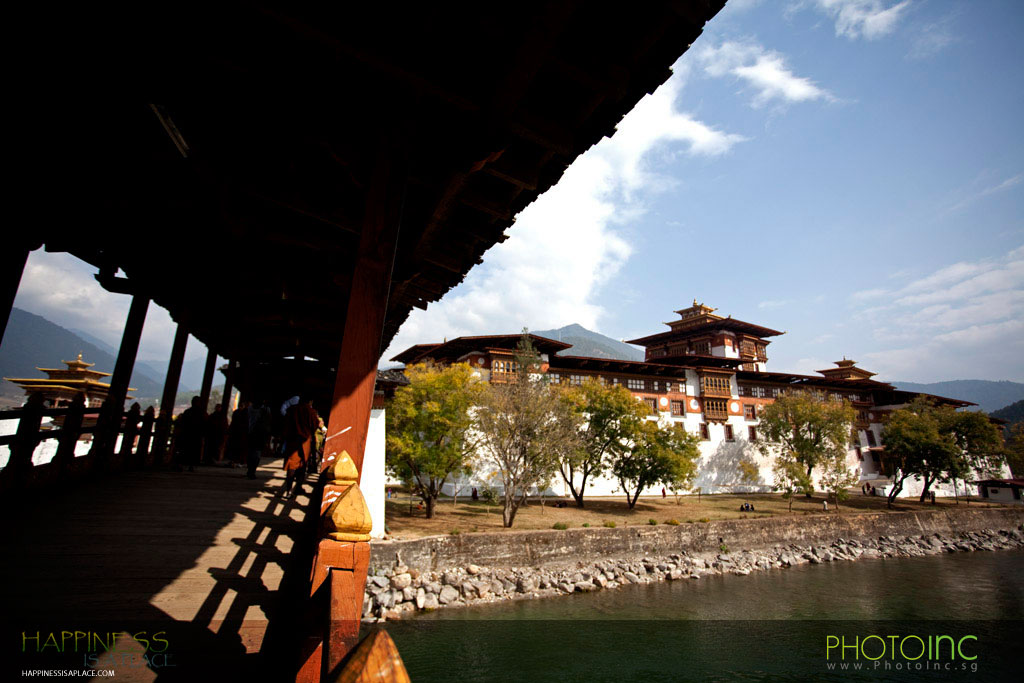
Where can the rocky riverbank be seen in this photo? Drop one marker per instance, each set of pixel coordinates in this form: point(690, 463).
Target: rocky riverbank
point(392, 592)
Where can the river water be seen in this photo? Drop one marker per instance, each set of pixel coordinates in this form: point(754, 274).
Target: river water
point(778, 625)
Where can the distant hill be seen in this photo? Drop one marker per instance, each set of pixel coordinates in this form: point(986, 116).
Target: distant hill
point(588, 343)
point(155, 370)
point(987, 394)
point(32, 341)
point(1011, 413)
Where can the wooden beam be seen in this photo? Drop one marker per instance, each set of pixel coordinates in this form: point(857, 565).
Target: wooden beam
point(225, 400)
point(113, 407)
point(364, 319)
point(207, 386)
point(163, 427)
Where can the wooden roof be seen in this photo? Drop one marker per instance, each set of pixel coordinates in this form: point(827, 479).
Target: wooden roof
point(731, 324)
point(456, 348)
point(240, 211)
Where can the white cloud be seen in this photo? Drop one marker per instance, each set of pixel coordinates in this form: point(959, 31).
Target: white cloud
point(1007, 184)
point(566, 245)
point(935, 36)
point(968, 314)
point(773, 303)
point(62, 289)
point(764, 70)
point(868, 19)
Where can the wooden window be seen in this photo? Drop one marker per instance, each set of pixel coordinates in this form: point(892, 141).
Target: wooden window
point(729, 436)
point(652, 403)
point(752, 433)
point(677, 407)
point(715, 409)
point(702, 348)
point(635, 384)
point(576, 380)
point(704, 433)
point(749, 412)
point(554, 378)
point(615, 381)
point(656, 385)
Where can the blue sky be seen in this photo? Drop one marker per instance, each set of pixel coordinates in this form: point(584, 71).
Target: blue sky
point(849, 171)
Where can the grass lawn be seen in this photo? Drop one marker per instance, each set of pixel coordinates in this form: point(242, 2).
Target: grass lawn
point(477, 516)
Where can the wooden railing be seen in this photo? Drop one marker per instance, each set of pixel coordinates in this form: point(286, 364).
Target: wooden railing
point(70, 424)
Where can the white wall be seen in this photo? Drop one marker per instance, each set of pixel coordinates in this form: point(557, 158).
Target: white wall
point(371, 479)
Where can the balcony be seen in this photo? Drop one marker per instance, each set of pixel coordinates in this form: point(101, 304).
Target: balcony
point(718, 387)
point(715, 410)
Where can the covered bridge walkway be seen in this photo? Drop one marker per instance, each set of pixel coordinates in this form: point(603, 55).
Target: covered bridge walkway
point(214, 561)
point(352, 162)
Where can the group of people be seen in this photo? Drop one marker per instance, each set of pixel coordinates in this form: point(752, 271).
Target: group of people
point(867, 489)
point(747, 507)
point(297, 435)
point(198, 436)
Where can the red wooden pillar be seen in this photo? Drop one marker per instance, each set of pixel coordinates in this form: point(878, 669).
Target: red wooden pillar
point(113, 406)
point(163, 423)
point(349, 419)
point(208, 370)
point(340, 566)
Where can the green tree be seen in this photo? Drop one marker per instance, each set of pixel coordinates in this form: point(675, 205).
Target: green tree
point(915, 445)
point(837, 477)
point(429, 425)
point(657, 455)
point(939, 444)
point(807, 431)
point(979, 444)
point(791, 476)
point(610, 417)
point(1014, 449)
point(525, 429)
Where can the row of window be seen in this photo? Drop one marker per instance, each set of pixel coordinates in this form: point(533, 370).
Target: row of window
point(775, 392)
point(632, 383)
point(730, 435)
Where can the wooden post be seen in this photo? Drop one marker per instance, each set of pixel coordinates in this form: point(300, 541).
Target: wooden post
point(345, 611)
point(145, 436)
point(131, 430)
point(19, 467)
point(225, 400)
point(109, 423)
point(69, 433)
point(12, 264)
point(349, 420)
point(163, 423)
point(208, 370)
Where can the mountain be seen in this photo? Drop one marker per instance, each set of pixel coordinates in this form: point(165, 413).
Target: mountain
point(32, 341)
point(1011, 413)
point(588, 343)
point(95, 341)
point(987, 394)
point(191, 372)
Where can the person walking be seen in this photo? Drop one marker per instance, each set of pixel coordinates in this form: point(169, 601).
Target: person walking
point(257, 437)
point(299, 425)
point(188, 435)
point(213, 438)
